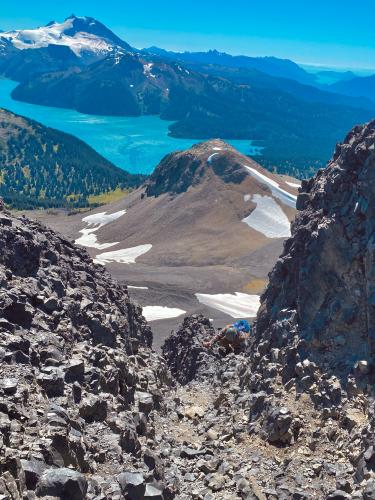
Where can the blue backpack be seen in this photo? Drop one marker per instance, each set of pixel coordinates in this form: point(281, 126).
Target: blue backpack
point(242, 326)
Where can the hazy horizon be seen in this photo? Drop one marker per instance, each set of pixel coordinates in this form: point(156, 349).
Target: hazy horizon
point(308, 35)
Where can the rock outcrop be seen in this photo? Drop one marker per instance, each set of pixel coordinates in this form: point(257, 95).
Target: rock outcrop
point(78, 382)
point(311, 368)
point(292, 452)
point(179, 171)
point(185, 354)
point(323, 285)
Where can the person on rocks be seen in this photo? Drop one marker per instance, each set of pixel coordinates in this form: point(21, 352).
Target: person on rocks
point(232, 337)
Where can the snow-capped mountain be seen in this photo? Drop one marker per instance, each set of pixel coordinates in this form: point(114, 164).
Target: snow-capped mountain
point(85, 36)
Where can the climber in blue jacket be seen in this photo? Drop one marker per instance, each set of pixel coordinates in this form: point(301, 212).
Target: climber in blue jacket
point(231, 337)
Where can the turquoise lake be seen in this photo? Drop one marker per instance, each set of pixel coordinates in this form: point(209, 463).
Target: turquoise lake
point(133, 144)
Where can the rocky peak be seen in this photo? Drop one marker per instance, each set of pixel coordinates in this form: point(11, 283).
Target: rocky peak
point(92, 26)
point(43, 274)
point(179, 171)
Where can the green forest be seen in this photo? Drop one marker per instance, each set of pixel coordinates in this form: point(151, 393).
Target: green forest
point(42, 167)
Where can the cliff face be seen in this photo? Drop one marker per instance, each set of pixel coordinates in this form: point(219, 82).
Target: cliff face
point(323, 285)
point(311, 365)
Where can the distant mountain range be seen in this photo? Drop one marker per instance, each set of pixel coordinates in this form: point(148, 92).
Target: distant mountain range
point(243, 69)
point(43, 167)
point(81, 64)
point(284, 68)
point(358, 87)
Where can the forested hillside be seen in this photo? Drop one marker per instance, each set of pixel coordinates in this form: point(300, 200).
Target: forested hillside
point(43, 167)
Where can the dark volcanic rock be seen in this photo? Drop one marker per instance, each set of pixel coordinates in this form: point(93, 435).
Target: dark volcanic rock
point(133, 485)
point(33, 470)
point(323, 286)
point(62, 483)
point(311, 371)
point(68, 370)
point(184, 352)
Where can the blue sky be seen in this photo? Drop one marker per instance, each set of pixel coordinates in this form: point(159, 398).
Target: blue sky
point(317, 32)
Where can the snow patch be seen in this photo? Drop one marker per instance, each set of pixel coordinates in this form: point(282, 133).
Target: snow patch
point(154, 313)
point(147, 70)
point(95, 222)
point(237, 305)
point(285, 197)
point(268, 218)
point(246, 197)
point(102, 218)
point(210, 158)
point(90, 240)
point(123, 256)
point(293, 184)
point(132, 287)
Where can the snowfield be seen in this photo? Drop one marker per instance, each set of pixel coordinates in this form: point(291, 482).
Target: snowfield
point(268, 218)
point(95, 222)
point(237, 305)
point(285, 197)
point(123, 256)
point(154, 313)
point(90, 240)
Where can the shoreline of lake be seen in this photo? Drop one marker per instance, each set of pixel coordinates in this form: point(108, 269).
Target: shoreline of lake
point(135, 144)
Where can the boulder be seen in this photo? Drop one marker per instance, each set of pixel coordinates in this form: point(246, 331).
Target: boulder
point(52, 381)
point(133, 485)
point(63, 483)
point(93, 409)
point(33, 470)
point(75, 370)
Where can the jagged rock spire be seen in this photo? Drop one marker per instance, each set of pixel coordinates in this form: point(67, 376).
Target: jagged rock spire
point(323, 285)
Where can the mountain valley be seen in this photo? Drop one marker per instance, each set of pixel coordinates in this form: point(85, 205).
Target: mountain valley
point(208, 221)
point(88, 410)
point(93, 71)
point(187, 252)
